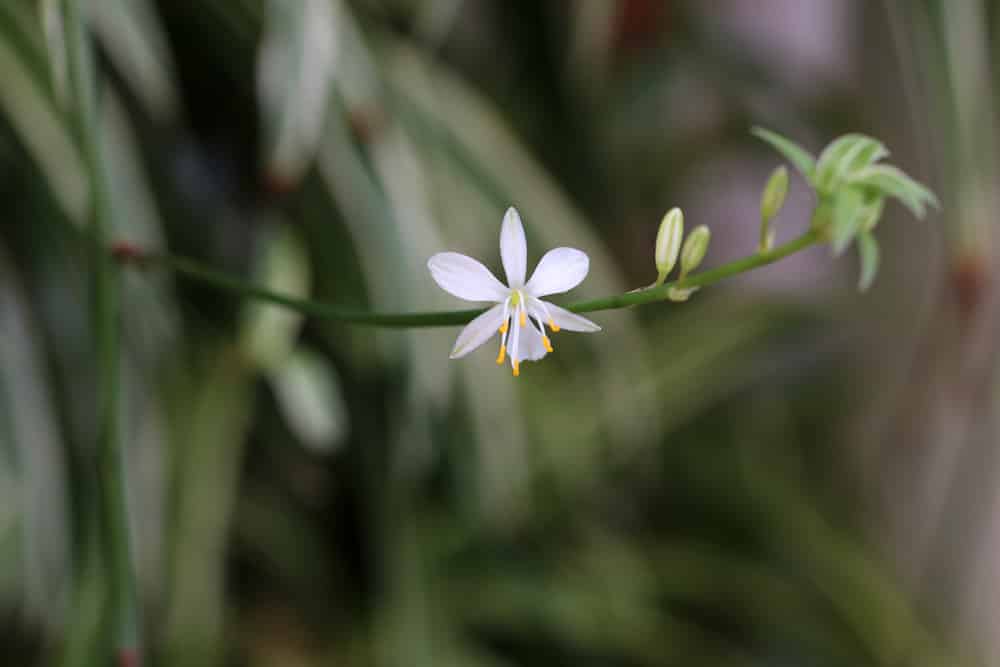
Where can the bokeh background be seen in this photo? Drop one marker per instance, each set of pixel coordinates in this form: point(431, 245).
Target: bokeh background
point(781, 471)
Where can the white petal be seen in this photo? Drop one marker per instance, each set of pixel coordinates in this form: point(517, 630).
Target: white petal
point(478, 331)
point(532, 348)
point(465, 277)
point(570, 321)
point(560, 270)
point(513, 248)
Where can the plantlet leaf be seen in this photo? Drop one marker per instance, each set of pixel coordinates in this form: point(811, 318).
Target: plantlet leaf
point(844, 157)
point(869, 254)
point(848, 209)
point(872, 213)
point(892, 182)
point(800, 158)
point(864, 152)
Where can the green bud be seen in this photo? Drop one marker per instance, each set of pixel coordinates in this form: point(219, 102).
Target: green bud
point(774, 194)
point(668, 243)
point(695, 247)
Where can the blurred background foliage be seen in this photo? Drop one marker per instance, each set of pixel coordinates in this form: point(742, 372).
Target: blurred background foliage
point(779, 472)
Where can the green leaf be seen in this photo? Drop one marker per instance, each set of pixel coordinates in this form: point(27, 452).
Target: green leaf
point(55, 41)
point(892, 182)
point(269, 332)
point(864, 152)
point(310, 398)
point(848, 208)
point(872, 213)
point(31, 112)
point(844, 157)
point(869, 254)
point(798, 156)
point(136, 44)
point(294, 77)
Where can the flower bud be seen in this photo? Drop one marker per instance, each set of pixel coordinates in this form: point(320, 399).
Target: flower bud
point(695, 247)
point(668, 243)
point(774, 194)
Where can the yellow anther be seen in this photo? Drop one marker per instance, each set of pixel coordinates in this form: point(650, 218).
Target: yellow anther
point(517, 368)
point(524, 318)
point(503, 352)
point(553, 325)
point(503, 327)
point(547, 343)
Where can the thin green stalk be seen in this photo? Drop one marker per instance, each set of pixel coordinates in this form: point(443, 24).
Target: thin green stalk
point(110, 468)
point(221, 280)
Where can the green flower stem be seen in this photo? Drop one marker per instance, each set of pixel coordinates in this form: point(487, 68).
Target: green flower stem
point(192, 269)
point(701, 279)
point(122, 612)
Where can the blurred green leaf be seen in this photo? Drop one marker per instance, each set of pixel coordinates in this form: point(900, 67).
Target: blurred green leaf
point(869, 254)
point(843, 158)
point(848, 209)
point(131, 33)
point(29, 108)
point(55, 39)
point(269, 331)
point(311, 400)
point(294, 77)
point(798, 156)
point(893, 182)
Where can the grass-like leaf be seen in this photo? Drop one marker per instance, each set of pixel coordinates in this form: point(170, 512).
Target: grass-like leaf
point(800, 158)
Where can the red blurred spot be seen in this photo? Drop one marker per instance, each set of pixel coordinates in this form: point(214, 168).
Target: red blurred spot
point(128, 657)
point(126, 252)
point(640, 22)
point(277, 183)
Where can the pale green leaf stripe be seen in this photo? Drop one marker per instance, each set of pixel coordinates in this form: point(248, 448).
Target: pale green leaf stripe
point(798, 156)
point(869, 253)
point(30, 112)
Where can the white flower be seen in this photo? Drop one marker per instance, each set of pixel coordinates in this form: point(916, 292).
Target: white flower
point(520, 316)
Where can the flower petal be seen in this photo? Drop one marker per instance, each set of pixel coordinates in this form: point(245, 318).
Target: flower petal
point(560, 270)
point(531, 346)
point(570, 321)
point(465, 277)
point(513, 248)
point(478, 331)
